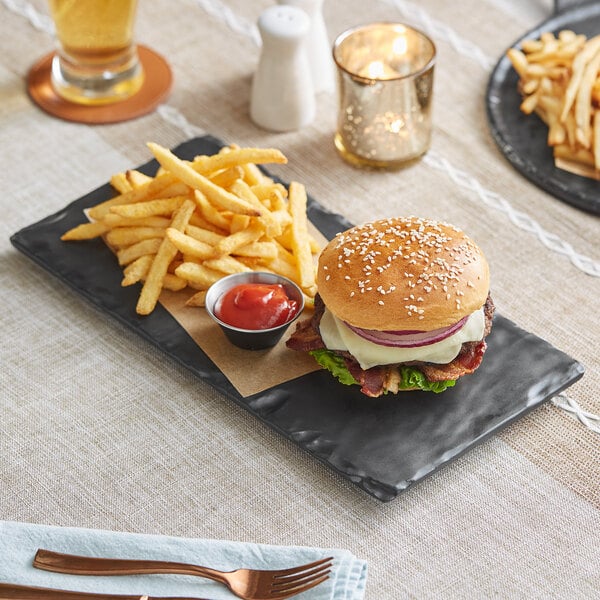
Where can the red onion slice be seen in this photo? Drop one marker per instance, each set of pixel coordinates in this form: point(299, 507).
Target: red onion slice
point(407, 339)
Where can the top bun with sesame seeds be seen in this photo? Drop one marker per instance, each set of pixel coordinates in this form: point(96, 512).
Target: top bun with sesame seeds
point(403, 274)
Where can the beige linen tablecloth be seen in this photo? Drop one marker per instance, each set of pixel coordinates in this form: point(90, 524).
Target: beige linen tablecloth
point(98, 429)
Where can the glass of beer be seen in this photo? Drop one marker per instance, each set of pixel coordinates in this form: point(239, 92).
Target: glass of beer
point(96, 60)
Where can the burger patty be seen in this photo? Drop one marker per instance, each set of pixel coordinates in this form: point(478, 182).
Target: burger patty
point(376, 380)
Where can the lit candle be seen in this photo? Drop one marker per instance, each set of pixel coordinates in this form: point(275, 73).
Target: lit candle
point(386, 78)
point(377, 69)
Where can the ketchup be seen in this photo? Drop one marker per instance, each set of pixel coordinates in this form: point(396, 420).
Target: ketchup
point(256, 306)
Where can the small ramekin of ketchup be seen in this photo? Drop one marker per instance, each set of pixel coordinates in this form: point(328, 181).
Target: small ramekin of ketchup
point(254, 309)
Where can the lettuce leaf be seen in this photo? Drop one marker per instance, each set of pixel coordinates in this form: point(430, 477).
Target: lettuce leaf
point(410, 377)
point(334, 363)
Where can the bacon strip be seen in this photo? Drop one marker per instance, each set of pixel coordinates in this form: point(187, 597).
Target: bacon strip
point(466, 362)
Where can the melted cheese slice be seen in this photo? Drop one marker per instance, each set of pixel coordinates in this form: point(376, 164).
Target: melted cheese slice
point(337, 336)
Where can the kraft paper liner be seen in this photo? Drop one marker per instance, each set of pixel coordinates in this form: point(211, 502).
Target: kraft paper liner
point(249, 371)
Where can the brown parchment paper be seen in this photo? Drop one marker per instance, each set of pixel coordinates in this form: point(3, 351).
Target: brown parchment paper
point(249, 371)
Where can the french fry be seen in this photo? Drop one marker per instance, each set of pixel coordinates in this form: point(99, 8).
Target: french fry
point(239, 223)
point(580, 155)
point(112, 220)
point(253, 175)
point(271, 192)
point(166, 253)
point(137, 270)
point(137, 178)
point(173, 283)
point(149, 208)
point(125, 182)
point(300, 241)
point(518, 61)
point(198, 220)
point(557, 133)
point(210, 213)
point(85, 231)
point(229, 244)
point(271, 224)
point(204, 235)
point(198, 274)
point(177, 188)
point(237, 156)
point(198, 299)
point(127, 255)
point(126, 236)
point(265, 250)
point(226, 177)
point(285, 239)
point(227, 264)
point(195, 180)
point(188, 245)
point(150, 190)
point(120, 183)
point(285, 264)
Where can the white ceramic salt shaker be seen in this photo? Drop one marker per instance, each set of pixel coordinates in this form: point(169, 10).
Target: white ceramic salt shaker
point(318, 46)
point(283, 97)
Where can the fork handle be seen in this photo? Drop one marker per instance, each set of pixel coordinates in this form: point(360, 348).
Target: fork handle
point(89, 565)
point(13, 591)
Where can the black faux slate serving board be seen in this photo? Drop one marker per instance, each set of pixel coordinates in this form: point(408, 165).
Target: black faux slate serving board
point(382, 445)
point(522, 138)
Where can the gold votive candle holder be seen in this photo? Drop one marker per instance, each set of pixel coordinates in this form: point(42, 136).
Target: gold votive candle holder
point(385, 85)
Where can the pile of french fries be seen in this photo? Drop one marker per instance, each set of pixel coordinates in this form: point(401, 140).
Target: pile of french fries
point(197, 221)
point(560, 81)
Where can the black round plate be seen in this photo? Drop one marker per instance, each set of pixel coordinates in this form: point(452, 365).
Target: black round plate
point(522, 138)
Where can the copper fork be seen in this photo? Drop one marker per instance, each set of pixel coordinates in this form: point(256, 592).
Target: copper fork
point(249, 584)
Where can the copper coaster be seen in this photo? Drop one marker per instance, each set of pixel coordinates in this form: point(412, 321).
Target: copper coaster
point(155, 89)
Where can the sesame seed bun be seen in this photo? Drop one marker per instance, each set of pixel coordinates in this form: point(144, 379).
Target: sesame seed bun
point(403, 273)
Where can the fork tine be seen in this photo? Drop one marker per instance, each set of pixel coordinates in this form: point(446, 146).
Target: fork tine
point(293, 570)
point(281, 580)
point(282, 594)
point(282, 585)
point(294, 585)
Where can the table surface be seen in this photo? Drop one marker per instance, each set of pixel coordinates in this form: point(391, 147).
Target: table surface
point(99, 429)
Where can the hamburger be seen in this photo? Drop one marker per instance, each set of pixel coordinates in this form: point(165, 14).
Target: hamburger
point(402, 304)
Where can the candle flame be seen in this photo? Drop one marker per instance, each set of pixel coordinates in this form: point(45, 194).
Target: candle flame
point(400, 45)
point(375, 69)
